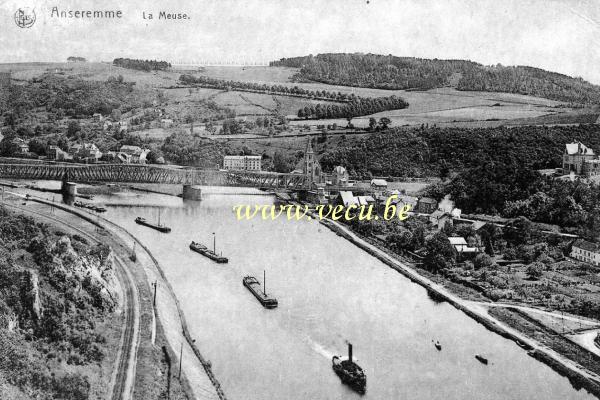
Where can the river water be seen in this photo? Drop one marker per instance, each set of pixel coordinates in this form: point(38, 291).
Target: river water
point(329, 292)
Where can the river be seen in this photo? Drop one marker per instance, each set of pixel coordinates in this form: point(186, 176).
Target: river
point(329, 292)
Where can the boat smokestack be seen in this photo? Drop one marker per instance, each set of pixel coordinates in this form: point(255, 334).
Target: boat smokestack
point(350, 352)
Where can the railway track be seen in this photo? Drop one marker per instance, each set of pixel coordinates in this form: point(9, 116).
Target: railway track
point(124, 376)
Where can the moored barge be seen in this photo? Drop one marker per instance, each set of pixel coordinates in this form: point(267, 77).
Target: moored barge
point(253, 285)
point(206, 252)
point(158, 227)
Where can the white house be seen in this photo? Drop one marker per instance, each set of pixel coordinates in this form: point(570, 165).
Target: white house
point(246, 163)
point(583, 250)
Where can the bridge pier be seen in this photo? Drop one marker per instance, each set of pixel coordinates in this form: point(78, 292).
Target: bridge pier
point(69, 188)
point(192, 192)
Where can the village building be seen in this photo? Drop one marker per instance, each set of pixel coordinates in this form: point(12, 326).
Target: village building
point(57, 154)
point(85, 152)
point(97, 117)
point(242, 163)
point(462, 249)
point(22, 146)
point(585, 251)
point(426, 205)
point(346, 198)
point(581, 160)
point(166, 123)
point(340, 176)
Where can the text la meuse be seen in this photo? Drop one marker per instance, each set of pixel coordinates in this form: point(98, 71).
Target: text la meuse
point(165, 15)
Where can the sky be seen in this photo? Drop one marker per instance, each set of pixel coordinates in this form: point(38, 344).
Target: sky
point(561, 36)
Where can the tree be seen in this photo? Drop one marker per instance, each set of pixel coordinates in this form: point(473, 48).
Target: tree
point(483, 261)
point(440, 254)
point(73, 128)
point(8, 146)
point(372, 124)
point(535, 270)
point(384, 123)
point(281, 162)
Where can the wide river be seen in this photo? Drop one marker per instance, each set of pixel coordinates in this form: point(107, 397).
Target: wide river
point(329, 292)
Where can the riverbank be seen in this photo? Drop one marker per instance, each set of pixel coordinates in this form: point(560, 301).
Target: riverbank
point(161, 327)
point(148, 369)
point(577, 375)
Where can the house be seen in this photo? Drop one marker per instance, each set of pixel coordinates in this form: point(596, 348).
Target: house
point(426, 205)
point(585, 251)
point(85, 152)
point(346, 198)
point(578, 159)
point(97, 117)
point(132, 155)
point(131, 150)
point(439, 218)
point(166, 123)
point(22, 146)
point(365, 200)
point(245, 163)
point(58, 154)
point(461, 248)
point(379, 184)
point(340, 176)
point(107, 125)
point(122, 126)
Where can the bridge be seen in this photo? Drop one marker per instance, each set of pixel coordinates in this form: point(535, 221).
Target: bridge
point(131, 173)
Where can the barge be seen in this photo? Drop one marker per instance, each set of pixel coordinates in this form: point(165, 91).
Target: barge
point(253, 285)
point(89, 206)
point(206, 252)
point(350, 372)
point(158, 227)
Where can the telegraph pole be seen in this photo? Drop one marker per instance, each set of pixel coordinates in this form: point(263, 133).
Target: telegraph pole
point(180, 356)
point(154, 300)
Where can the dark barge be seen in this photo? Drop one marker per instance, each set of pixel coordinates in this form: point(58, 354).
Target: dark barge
point(253, 285)
point(206, 252)
point(158, 227)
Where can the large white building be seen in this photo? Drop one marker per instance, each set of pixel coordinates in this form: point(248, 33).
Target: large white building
point(583, 250)
point(245, 163)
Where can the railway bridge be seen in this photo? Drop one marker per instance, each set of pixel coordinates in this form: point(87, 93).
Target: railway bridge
point(132, 173)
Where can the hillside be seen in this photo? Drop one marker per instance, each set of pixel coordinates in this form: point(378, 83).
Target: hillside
point(57, 297)
point(391, 72)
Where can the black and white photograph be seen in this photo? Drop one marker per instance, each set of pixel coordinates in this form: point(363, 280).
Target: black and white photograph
point(300, 200)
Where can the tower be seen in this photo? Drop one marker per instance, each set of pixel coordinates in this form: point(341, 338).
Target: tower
point(311, 167)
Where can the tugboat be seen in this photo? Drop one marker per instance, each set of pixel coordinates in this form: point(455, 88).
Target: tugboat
point(159, 227)
point(253, 285)
point(349, 372)
point(481, 359)
point(206, 252)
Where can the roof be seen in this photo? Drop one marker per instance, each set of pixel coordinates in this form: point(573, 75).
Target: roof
point(457, 241)
point(578, 148)
point(588, 246)
point(348, 198)
point(365, 200)
point(427, 200)
point(130, 149)
point(378, 182)
point(339, 170)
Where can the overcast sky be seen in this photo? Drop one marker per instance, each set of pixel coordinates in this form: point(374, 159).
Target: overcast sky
point(562, 36)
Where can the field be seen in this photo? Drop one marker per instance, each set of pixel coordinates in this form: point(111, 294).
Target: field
point(444, 107)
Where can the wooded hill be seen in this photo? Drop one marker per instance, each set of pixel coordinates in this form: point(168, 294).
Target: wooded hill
point(391, 72)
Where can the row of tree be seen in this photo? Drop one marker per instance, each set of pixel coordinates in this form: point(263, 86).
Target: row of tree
point(359, 106)
point(142, 65)
point(213, 83)
point(352, 105)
